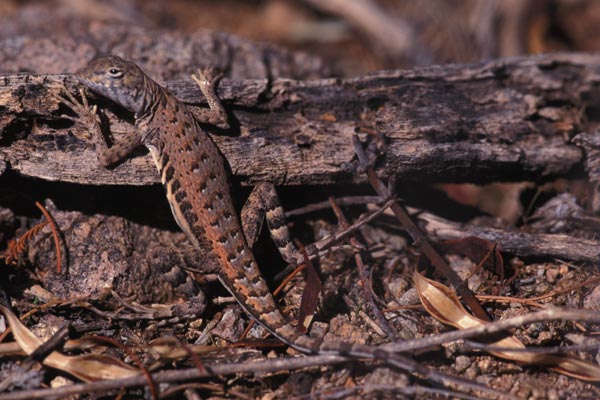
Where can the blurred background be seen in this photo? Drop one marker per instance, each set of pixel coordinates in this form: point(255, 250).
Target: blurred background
point(352, 37)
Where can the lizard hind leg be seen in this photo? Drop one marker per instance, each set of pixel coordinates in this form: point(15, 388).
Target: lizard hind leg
point(264, 204)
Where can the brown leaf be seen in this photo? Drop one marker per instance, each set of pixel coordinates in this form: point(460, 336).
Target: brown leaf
point(443, 305)
point(87, 367)
point(310, 297)
point(171, 349)
point(477, 250)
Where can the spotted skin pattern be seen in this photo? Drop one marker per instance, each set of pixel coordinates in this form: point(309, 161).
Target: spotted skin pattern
point(196, 183)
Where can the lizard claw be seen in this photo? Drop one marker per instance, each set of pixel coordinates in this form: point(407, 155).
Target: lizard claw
point(64, 96)
point(81, 108)
point(207, 77)
point(86, 115)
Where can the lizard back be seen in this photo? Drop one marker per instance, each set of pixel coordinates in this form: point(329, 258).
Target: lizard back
point(196, 183)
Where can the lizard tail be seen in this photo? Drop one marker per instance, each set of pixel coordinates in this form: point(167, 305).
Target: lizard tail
point(271, 318)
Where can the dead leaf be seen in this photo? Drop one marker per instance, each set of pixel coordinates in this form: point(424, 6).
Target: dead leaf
point(477, 250)
point(443, 304)
point(171, 349)
point(310, 297)
point(87, 367)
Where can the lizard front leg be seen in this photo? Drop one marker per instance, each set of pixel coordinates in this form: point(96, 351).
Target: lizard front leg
point(88, 118)
point(208, 79)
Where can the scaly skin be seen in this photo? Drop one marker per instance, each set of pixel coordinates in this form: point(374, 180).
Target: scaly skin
point(194, 176)
point(195, 179)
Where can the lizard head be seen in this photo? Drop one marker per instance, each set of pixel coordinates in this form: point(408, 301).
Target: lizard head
point(116, 79)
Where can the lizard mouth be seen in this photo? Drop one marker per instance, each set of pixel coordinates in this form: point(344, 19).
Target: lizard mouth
point(94, 86)
point(111, 91)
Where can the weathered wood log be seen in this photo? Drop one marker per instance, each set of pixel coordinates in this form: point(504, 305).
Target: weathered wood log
point(502, 120)
point(558, 246)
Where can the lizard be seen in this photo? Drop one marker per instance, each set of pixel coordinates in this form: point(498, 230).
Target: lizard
point(194, 175)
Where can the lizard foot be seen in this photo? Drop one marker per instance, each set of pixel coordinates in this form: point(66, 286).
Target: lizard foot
point(86, 116)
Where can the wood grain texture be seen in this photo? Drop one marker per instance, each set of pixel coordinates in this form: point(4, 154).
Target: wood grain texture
point(518, 243)
point(501, 120)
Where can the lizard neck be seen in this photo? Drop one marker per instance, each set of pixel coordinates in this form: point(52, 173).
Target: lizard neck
point(153, 98)
point(148, 124)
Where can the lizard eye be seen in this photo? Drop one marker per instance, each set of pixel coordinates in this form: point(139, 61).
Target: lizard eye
point(115, 72)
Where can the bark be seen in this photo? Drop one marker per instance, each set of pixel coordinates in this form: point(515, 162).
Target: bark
point(503, 120)
point(523, 244)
